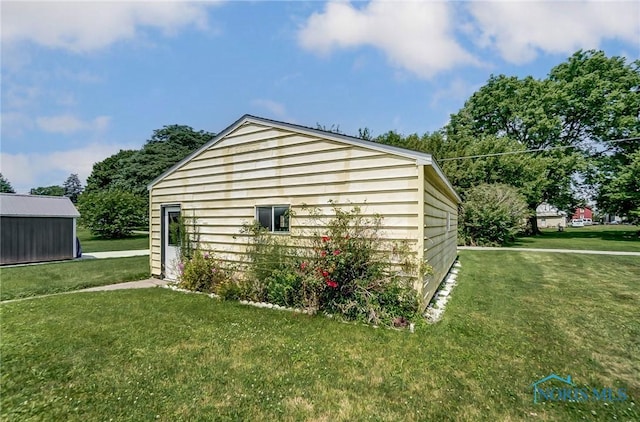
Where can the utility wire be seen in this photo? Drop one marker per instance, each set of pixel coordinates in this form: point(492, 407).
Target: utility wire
point(496, 154)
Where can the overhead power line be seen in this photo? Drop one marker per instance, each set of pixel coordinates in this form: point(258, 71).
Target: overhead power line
point(524, 151)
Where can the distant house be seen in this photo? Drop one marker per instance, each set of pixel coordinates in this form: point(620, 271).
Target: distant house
point(585, 214)
point(36, 228)
point(549, 216)
point(265, 170)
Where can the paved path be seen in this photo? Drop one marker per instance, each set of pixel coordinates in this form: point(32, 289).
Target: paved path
point(114, 254)
point(489, 248)
point(140, 284)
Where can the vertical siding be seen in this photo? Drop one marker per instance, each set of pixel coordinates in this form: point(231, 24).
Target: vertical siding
point(440, 231)
point(35, 239)
point(259, 165)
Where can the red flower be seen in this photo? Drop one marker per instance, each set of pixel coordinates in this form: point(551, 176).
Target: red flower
point(336, 252)
point(332, 283)
point(303, 265)
point(325, 273)
point(326, 238)
point(323, 253)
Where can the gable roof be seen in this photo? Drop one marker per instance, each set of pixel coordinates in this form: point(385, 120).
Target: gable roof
point(15, 205)
point(420, 157)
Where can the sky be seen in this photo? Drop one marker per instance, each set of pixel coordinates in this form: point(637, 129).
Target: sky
point(82, 80)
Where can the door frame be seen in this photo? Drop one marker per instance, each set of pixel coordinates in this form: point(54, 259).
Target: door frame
point(164, 234)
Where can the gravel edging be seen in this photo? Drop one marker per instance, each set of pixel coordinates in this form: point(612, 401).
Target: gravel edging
point(437, 306)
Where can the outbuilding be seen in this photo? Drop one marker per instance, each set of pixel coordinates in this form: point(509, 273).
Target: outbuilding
point(260, 169)
point(36, 228)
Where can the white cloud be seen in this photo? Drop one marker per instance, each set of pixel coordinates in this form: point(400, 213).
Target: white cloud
point(278, 110)
point(520, 30)
point(456, 91)
point(15, 123)
point(415, 35)
point(68, 123)
point(88, 26)
point(29, 170)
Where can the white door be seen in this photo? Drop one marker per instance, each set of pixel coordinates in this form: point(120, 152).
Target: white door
point(171, 242)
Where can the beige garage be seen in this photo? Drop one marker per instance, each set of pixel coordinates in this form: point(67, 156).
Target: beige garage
point(259, 169)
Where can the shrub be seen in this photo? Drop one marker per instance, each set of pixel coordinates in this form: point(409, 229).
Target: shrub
point(344, 271)
point(203, 273)
point(113, 213)
point(492, 214)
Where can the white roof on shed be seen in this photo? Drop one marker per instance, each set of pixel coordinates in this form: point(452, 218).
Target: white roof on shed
point(36, 206)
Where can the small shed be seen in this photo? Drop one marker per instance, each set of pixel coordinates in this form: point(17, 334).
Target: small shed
point(36, 228)
point(259, 169)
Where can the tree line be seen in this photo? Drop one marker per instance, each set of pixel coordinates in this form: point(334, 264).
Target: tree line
point(516, 142)
point(564, 139)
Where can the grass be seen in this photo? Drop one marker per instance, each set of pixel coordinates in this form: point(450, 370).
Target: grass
point(34, 280)
point(602, 238)
point(156, 354)
point(92, 243)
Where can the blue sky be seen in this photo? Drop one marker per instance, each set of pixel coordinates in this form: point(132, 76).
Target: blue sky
point(82, 80)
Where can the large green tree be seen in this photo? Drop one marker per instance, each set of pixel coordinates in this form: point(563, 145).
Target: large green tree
point(166, 147)
point(106, 171)
point(53, 190)
point(5, 185)
point(112, 213)
point(619, 190)
point(133, 170)
point(582, 108)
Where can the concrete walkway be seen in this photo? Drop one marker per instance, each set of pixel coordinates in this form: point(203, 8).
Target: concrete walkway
point(114, 254)
point(140, 284)
point(589, 252)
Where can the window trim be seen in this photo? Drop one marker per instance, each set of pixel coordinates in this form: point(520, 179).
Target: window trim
point(273, 222)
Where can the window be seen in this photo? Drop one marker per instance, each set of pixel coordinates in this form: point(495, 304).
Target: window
point(173, 218)
point(274, 218)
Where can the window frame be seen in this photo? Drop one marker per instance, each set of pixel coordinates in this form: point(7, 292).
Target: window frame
point(272, 215)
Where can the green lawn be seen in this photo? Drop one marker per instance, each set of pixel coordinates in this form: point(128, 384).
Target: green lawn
point(34, 280)
point(92, 243)
point(156, 354)
point(599, 237)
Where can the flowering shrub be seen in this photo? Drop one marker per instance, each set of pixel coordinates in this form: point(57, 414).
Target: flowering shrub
point(359, 281)
point(344, 271)
point(203, 273)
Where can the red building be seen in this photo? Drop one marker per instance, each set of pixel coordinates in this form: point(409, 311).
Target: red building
point(583, 213)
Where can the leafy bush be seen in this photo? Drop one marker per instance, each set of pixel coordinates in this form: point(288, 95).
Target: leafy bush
point(112, 214)
point(203, 273)
point(344, 272)
point(492, 214)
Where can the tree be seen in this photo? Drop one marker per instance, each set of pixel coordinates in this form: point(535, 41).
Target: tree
point(106, 171)
point(5, 185)
point(53, 190)
point(584, 104)
point(112, 213)
point(619, 194)
point(492, 214)
point(72, 187)
point(133, 170)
